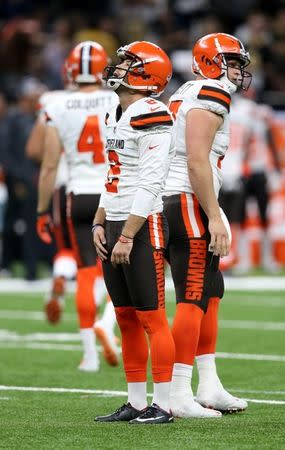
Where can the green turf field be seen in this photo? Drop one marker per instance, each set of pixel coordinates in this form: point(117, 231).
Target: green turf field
point(37, 360)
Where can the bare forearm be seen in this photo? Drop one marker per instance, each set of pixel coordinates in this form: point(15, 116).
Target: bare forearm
point(201, 178)
point(100, 216)
point(46, 188)
point(133, 225)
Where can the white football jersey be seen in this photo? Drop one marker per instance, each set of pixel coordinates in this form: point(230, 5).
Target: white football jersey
point(211, 95)
point(242, 126)
point(80, 123)
point(139, 146)
point(46, 99)
point(260, 156)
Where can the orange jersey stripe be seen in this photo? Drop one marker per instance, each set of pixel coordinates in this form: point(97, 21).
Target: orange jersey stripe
point(198, 215)
point(185, 215)
point(160, 230)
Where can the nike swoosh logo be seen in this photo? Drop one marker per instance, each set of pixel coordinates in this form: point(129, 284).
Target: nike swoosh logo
point(150, 418)
point(154, 109)
point(151, 147)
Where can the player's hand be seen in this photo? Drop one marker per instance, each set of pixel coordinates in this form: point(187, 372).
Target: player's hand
point(99, 240)
point(220, 242)
point(121, 251)
point(45, 227)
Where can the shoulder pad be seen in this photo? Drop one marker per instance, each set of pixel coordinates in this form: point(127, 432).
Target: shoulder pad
point(215, 94)
point(152, 119)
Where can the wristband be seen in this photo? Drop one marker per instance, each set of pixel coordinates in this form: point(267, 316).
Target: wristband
point(125, 240)
point(95, 225)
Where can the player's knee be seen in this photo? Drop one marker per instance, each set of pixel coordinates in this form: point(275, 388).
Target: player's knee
point(126, 317)
point(153, 321)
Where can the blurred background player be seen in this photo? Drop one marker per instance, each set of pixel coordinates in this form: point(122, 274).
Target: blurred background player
point(251, 171)
point(64, 266)
point(262, 175)
point(198, 229)
point(76, 123)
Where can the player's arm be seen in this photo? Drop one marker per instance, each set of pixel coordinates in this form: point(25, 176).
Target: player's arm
point(201, 128)
point(51, 157)
point(98, 230)
point(35, 144)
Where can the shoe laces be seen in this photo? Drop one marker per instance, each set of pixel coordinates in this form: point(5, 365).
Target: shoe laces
point(124, 406)
point(148, 412)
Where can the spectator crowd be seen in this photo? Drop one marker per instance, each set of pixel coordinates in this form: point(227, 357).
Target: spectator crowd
point(35, 40)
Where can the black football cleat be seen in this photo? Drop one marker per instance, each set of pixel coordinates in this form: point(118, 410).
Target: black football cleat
point(123, 414)
point(151, 415)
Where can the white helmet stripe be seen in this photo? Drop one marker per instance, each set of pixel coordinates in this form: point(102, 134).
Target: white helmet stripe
point(86, 59)
point(218, 45)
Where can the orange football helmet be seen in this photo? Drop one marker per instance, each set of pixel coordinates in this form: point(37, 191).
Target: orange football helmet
point(210, 55)
point(149, 69)
point(86, 63)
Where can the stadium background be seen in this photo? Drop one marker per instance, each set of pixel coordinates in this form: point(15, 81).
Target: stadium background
point(34, 41)
point(45, 402)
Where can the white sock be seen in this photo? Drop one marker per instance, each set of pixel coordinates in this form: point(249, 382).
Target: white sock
point(108, 318)
point(137, 395)
point(161, 393)
point(181, 379)
point(99, 290)
point(88, 339)
point(206, 365)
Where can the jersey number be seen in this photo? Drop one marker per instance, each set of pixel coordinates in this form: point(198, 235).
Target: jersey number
point(113, 172)
point(90, 140)
point(174, 107)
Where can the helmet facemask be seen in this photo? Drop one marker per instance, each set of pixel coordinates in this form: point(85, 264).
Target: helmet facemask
point(244, 79)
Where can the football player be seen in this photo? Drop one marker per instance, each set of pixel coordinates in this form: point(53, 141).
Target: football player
point(64, 267)
point(77, 125)
point(198, 229)
point(130, 231)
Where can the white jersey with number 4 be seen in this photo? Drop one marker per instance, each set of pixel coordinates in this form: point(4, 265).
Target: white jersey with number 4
point(139, 146)
point(209, 95)
point(47, 99)
point(80, 123)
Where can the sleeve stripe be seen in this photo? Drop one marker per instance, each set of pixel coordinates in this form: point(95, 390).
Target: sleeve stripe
point(213, 90)
point(215, 95)
point(152, 119)
point(211, 98)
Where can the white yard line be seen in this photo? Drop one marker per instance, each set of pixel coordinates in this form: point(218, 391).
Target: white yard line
point(107, 393)
point(31, 315)
point(15, 285)
point(15, 341)
point(251, 357)
point(252, 325)
point(257, 391)
point(229, 324)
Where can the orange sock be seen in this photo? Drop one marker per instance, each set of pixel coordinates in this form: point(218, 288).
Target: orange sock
point(85, 302)
point(209, 329)
point(186, 332)
point(162, 348)
point(134, 344)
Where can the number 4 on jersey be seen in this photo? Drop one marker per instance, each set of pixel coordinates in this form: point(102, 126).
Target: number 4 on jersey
point(90, 140)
